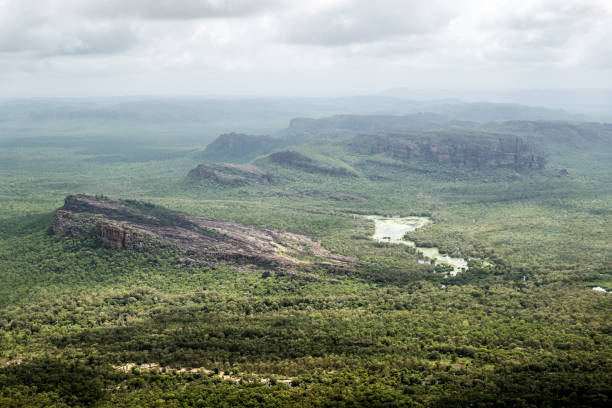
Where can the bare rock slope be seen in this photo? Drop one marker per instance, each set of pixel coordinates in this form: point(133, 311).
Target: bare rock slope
point(135, 225)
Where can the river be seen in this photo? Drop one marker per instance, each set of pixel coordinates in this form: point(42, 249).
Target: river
point(392, 230)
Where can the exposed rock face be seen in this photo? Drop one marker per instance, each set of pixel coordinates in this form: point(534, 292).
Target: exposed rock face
point(134, 225)
point(392, 148)
point(297, 160)
point(230, 174)
point(470, 150)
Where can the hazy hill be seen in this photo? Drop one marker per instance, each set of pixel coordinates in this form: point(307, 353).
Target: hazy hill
point(594, 103)
point(181, 118)
point(239, 148)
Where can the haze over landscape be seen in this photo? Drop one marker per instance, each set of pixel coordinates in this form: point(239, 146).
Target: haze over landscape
point(322, 203)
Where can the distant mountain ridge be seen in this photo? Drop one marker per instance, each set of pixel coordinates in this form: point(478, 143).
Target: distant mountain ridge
point(426, 138)
point(593, 103)
point(268, 112)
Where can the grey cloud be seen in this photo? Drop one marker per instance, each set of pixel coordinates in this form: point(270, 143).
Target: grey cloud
point(71, 38)
point(42, 29)
point(364, 21)
point(548, 14)
point(108, 39)
point(232, 45)
point(174, 9)
point(35, 28)
point(543, 34)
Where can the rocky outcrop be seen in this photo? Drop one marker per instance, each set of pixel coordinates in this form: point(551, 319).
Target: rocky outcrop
point(400, 150)
point(289, 158)
point(230, 174)
point(133, 225)
point(467, 149)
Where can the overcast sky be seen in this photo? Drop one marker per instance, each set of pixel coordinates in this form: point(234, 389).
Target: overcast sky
point(305, 47)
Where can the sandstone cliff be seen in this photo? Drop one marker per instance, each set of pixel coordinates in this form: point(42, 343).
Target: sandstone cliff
point(460, 149)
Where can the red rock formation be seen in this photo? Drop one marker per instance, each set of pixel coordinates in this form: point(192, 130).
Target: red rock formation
point(111, 235)
point(126, 225)
point(470, 150)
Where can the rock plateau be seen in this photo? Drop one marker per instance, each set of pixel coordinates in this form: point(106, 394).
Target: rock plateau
point(134, 225)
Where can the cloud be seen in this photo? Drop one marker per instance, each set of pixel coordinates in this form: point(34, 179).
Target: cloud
point(27, 31)
point(78, 39)
point(545, 32)
point(262, 44)
point(364, 21)
point(41, 28)
point(173, 9)
point(468, 32)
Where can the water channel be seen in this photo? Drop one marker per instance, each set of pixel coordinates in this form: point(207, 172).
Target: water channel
point(392, 230)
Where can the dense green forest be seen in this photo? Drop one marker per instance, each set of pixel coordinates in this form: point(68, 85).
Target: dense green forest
point(82, 324)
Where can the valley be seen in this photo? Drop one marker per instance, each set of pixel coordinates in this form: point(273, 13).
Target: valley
point(305, 204)
point(296, 269)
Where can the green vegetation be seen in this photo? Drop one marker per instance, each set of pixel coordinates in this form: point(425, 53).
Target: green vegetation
point(290, 158)
point(522, 328)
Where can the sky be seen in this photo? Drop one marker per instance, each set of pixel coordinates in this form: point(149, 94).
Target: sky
point(300, 47)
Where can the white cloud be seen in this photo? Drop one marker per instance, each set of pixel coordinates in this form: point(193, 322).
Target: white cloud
point(364, 21)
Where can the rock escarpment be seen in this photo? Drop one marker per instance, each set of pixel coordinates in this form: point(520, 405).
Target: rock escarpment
point(230, 174)
point(134, 225)
point(469, 150)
